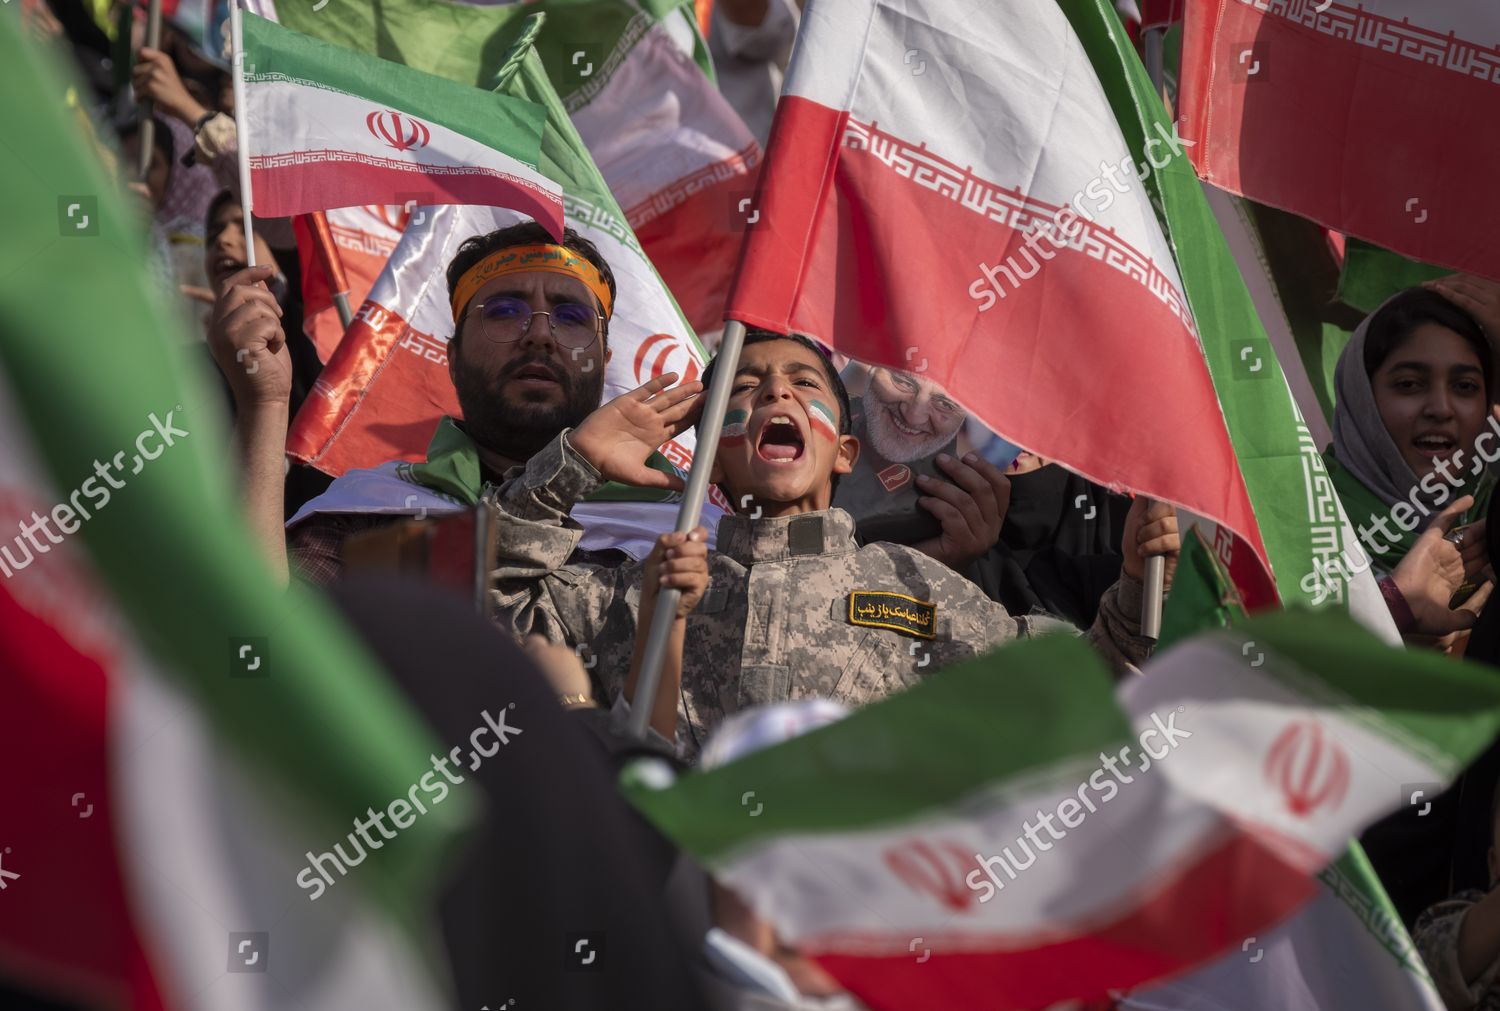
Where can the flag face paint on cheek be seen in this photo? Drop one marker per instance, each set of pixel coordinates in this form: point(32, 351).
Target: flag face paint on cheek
point(734, 432)
point(821, 417)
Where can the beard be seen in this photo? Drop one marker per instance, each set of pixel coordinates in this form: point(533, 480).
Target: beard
point(890, 443)
point(520, 426)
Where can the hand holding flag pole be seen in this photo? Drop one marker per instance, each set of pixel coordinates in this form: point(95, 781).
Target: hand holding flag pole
point(242, 135)
point(1153, 580)
point(709, 424)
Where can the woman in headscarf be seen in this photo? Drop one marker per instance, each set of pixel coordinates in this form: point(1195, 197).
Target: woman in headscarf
point(1415, 390)
point(1413, 393)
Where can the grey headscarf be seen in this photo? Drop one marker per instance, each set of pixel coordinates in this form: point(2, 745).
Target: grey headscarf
point(1360, 440)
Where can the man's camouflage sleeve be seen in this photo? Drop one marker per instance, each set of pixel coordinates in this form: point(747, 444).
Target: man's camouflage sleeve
point(533, 589)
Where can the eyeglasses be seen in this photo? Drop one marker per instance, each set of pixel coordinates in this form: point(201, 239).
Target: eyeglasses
point(505, 319)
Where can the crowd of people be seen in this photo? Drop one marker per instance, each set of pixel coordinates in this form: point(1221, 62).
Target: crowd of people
point(872, 541)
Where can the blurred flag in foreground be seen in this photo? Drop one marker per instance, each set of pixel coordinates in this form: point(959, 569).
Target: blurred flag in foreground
point(1347, 947)
point(177, 729)
point(1014, 832)
point(1374, 118)
point(333, 128)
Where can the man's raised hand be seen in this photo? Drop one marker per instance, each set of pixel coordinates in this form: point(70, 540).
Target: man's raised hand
point(244, 333)
point(619, 437)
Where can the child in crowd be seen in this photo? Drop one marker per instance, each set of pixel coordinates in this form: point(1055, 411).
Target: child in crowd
point(795, 607)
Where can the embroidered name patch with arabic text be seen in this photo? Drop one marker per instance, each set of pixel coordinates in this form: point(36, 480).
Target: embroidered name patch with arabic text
point(895, 611)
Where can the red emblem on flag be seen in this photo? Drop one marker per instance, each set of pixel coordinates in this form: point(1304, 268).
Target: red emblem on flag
point(895, 476)
point(398, 130)
point(1309, 768)
point(662, 348)
point(938, 868)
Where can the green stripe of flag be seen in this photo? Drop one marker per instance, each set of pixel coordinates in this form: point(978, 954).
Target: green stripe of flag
point(1014, 715)
point(501, 122)
point(466, 42)
point(91, 350)
point(1372, 274)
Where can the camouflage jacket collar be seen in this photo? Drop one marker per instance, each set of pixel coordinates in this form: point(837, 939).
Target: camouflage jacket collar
point(748, 540)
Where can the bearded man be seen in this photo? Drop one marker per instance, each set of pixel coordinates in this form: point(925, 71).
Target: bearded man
point(527, 358)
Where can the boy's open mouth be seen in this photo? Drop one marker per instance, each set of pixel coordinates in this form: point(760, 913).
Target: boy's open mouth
point(781, 441)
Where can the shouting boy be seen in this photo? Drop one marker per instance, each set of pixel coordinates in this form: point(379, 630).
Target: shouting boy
point(795, 607)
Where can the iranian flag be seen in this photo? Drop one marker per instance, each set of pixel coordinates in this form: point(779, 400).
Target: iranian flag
point(332, 128)
point(1346, 948)
point(1091, 310)
point(1374, 118)
point(177, 729)
point(382, 393)
point(633, 76)
point(960, 845)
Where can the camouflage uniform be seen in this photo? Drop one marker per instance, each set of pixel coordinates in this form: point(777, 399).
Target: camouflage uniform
point(777, 621)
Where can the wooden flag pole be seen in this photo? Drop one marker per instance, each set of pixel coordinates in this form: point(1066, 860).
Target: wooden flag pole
point(242, 135)
point(333, 265)
point(709, 424)
point(148, 109)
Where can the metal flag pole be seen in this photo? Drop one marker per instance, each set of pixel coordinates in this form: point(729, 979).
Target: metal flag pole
point(1152, 44)
point(709, 424)
point(148, 108)
point(242, 135)
point(1153, 596)
point(1156, 565)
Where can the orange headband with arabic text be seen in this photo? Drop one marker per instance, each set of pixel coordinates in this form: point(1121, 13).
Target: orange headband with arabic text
point(550, 259)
